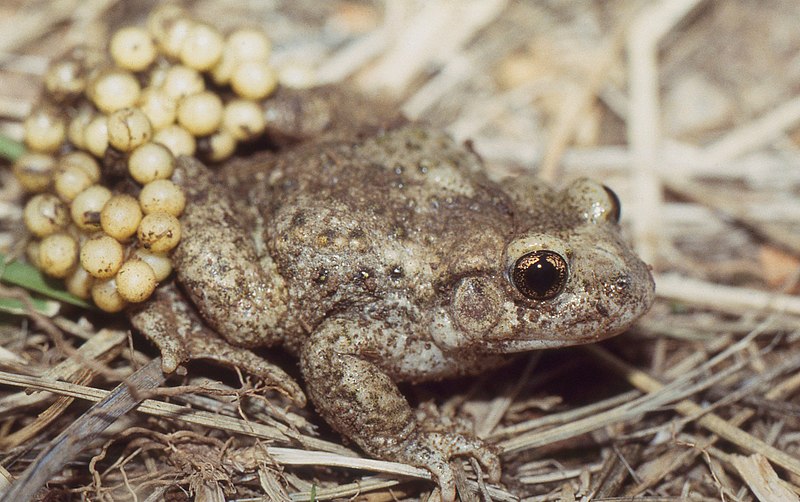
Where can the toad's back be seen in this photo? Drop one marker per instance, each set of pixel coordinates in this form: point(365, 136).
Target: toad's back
point(393, 218)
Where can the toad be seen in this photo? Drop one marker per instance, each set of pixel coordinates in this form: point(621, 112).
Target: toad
point(378, 251)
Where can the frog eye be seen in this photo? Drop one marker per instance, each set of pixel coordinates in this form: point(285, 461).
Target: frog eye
point(596, 202)
point(540, 275)
point(614, 208)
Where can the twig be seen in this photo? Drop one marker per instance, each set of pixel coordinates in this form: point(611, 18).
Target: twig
point(771, 229)
point(559, 475)
point(27, 26)
point(576, 105)
point(666, 394)
point(175, 412)
point(80, 433)
point(762, 479)
point(358, 53)
point(710, 421)
point(644, 132)
point(430, 37)
point(566, 416)
point(778, 392)
point(498, 407)
point(43, 419)
point(96, 348)
point(753, 135)
point(336, 456)
point(724, 298)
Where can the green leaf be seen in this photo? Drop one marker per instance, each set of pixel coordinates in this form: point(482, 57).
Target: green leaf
point(10, 149)
point(29, 277)
point(44, 307)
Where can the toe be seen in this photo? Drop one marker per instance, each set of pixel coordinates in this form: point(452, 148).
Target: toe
point(482, 452)
point(216, 349)
point(425, 450)
point(433, 450)
point(444, 478)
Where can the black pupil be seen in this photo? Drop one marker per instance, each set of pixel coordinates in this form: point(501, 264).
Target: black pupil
point(540, 274)
point(540, 277)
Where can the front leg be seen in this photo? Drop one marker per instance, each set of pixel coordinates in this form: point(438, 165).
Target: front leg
point(360, 400)
point(237, 289)
point(170, 321)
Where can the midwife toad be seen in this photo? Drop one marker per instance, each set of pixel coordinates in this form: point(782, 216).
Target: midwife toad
point(382, 253)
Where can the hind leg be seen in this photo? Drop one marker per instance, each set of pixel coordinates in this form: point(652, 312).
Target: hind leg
point(360, 400)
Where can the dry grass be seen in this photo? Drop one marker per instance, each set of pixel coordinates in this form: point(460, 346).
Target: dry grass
point(686, 108)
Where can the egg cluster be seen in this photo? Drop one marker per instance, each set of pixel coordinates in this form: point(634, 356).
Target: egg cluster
point(176, 87)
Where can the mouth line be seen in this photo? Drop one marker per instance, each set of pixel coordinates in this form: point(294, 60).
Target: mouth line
point(527, 344)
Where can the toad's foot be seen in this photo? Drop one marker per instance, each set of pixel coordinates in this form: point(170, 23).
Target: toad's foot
point(433, 450)
point(170, 322)
point(361, 401)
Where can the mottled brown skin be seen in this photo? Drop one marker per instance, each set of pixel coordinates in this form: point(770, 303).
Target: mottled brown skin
point(378, 253)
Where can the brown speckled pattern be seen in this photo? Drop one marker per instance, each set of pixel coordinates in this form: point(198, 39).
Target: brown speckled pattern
point(381, 256)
